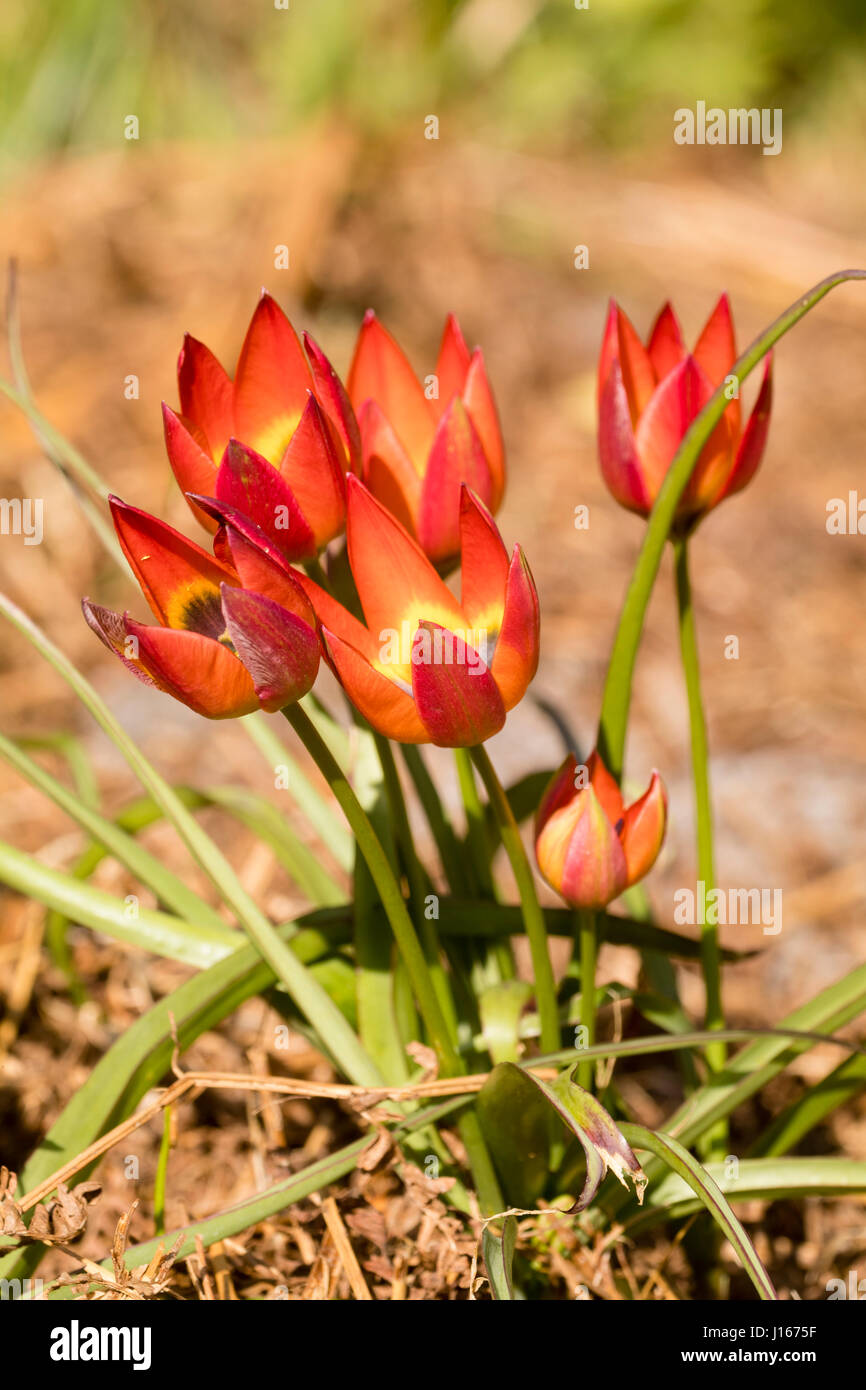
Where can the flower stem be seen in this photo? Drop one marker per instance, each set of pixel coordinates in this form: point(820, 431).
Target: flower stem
point(386, 886)
point(710, 953)
point(533, 917)
point(588, 934)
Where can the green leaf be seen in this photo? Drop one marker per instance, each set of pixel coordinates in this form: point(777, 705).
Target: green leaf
point(299, 862)
point(708, 1192)
point(498, 1250)
point(500, 1008)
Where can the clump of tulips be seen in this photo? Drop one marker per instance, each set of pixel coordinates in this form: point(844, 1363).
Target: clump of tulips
point(351, 527)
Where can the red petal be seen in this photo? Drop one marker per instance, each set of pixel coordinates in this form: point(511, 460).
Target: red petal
point(716, 349)
point(205, 394)
point(247, 481)
point(609, 350)
point(113, 632)
point(620, 465)
point(559, 791)
point(381, 372)
point(334, 399)
point(478, 399)
point(457, 698)
point(196, 670)
point(396, 582)
point(515, 658)
point(179, 580)
point(280, 650)
point(316, 475)
point(451, 366)
point(643, 830)
point(483, 564)
point(637, 370)
point(268, 574)
point(456, 457)
point(605, 787)
point(580, 854)
point(192, 466)
point(666, 348)
point(386, 707)
point(677, 401)
point(271, 382)
point(754, 437)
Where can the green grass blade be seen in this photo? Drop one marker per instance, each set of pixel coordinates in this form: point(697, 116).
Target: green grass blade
point(319, 810)
point(313, 1001)
point(710, 1195)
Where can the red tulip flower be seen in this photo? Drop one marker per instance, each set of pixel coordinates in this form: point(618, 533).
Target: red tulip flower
point(589, 845)
point(648, 398)
point(426, 668)
point(418, 449)
point(236, 633)
point(276, 441)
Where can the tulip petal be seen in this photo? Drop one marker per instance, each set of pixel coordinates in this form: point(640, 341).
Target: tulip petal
point(456, 457)
point(605, 787)
point(580, 854)
point(515, 657)
point(643, 830)
point(196, 670)
point(271, 382)
point(396, 582)
point(716, 349)
point(457, 698)
point(247, 481)
point(315, 475)
point(483, 565)
point(381, 372)
point(677, 401)
point(190, 461)
point(478, 399)
point(620, 463)
point(280, 650)
point(112, 629)
point(334, 399)
point(666, 348)
point(754, 438)
point(560, 790)
point(451, 366)
point(261, 572)
point(609, 351)
point(637, 370)
point(206, 395)
point(388, 708)
point(179, 580)
point(389, 473)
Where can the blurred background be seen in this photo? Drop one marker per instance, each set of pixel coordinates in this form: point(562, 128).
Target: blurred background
point(306, 127)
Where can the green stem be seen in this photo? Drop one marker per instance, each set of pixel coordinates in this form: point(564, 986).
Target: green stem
point(588, 933)
point(533, 917)
point(160, 1181)
point(710, 953)
point(386, 886)
point(440, 827)
point(618, 683)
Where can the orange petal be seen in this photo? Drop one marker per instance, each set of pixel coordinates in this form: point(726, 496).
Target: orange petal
point(580, 854)
point(456, 457)
point(483, 565)
point(396, 582)
point(478, 399)
point(190, 461)
point(205, 394)
point(637, 371)
point(381, 372)
point(316, 475)
point(196, 670)
point(334, 399)
point(621, 467)
point(643, 830)
point(389, 473)
point(754, 438)
point(665, 348)
point(677, 401)
point(248, 482)
point(515, 657)
point(386, 707)
point(716, 349)
point(179, 580)
point(451, 365)
point(271, 382)
point(605, 787)
point(456, 696)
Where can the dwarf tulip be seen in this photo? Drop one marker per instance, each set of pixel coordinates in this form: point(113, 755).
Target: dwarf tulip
point(236, 633)
point(425, 668)
point(276, 441)
point(648, 398)
point(420, 446)
point(589, 846)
